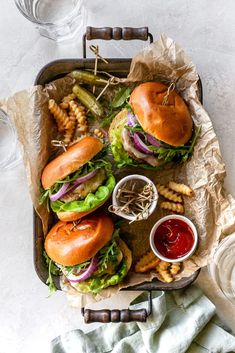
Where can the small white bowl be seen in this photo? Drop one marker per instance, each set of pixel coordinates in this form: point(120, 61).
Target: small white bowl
point(134, 177)
point(189, 223)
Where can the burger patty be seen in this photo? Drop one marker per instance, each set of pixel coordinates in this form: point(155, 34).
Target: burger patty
point(129, 146)
point(85, 188)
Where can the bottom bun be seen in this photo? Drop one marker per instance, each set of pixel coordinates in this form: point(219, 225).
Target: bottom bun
point(70, 216)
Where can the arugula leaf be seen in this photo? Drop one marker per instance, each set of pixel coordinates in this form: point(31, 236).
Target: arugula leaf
point(67, 270)
point(180, 153)
point(109, 118)
point(44, 196)
point(50, 282)
point(136, 128)
point(119, 223)
point(95, 163)
point(121, 97)
point(129, 107)
point(119, 101)
point(52, 270)
point(109, 253)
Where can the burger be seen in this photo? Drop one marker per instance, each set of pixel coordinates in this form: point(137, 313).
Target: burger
point(78, 181)
point(155, 128)
point(89, 254)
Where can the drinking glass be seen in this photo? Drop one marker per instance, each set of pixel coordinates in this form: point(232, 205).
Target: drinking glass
point(222, 267)
point(55, 19)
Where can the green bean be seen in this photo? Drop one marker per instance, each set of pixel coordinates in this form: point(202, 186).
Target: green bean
point(89, 100)
point(88, 78)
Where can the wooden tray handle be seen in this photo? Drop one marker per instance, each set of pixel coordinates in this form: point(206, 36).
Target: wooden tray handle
point(114, 315)
point(116, 33)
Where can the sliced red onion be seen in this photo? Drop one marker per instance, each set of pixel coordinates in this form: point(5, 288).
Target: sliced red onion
point(131, 119)
point(59, 193)
point(153, 141)
point(140, 145)
point(85, 274)
point(82, 179)
point(64, 189)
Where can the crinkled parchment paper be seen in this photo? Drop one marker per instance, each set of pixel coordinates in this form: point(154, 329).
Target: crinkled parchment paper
point(212, 209)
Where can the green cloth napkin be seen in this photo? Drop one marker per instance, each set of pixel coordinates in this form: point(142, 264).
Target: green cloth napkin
point(181, 321)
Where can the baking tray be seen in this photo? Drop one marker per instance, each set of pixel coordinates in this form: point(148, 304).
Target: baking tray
point(117, 67)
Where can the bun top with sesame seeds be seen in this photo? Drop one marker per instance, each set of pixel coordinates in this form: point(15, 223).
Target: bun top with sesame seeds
point(70, 161)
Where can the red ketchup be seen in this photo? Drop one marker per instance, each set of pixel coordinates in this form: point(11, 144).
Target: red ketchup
point(173, 238)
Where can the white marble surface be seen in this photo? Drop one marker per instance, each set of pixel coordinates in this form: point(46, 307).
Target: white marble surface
point(205, 28)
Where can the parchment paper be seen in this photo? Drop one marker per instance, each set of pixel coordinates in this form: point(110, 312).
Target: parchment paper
point(212, 209)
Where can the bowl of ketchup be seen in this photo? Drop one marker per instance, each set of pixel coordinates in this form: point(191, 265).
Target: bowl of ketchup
point(173, 238)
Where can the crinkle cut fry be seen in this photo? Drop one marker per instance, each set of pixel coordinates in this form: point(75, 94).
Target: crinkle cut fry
point(165, 275)
point(163, 270)
point(175, 268)
point(145, 260)
point(181, 188)
point(168, 270)
point(168, 193)
point(171, 206)
point(145, 268)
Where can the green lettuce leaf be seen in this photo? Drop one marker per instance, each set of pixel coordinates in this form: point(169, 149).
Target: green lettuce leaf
point(91, 201)
point(120, 156)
